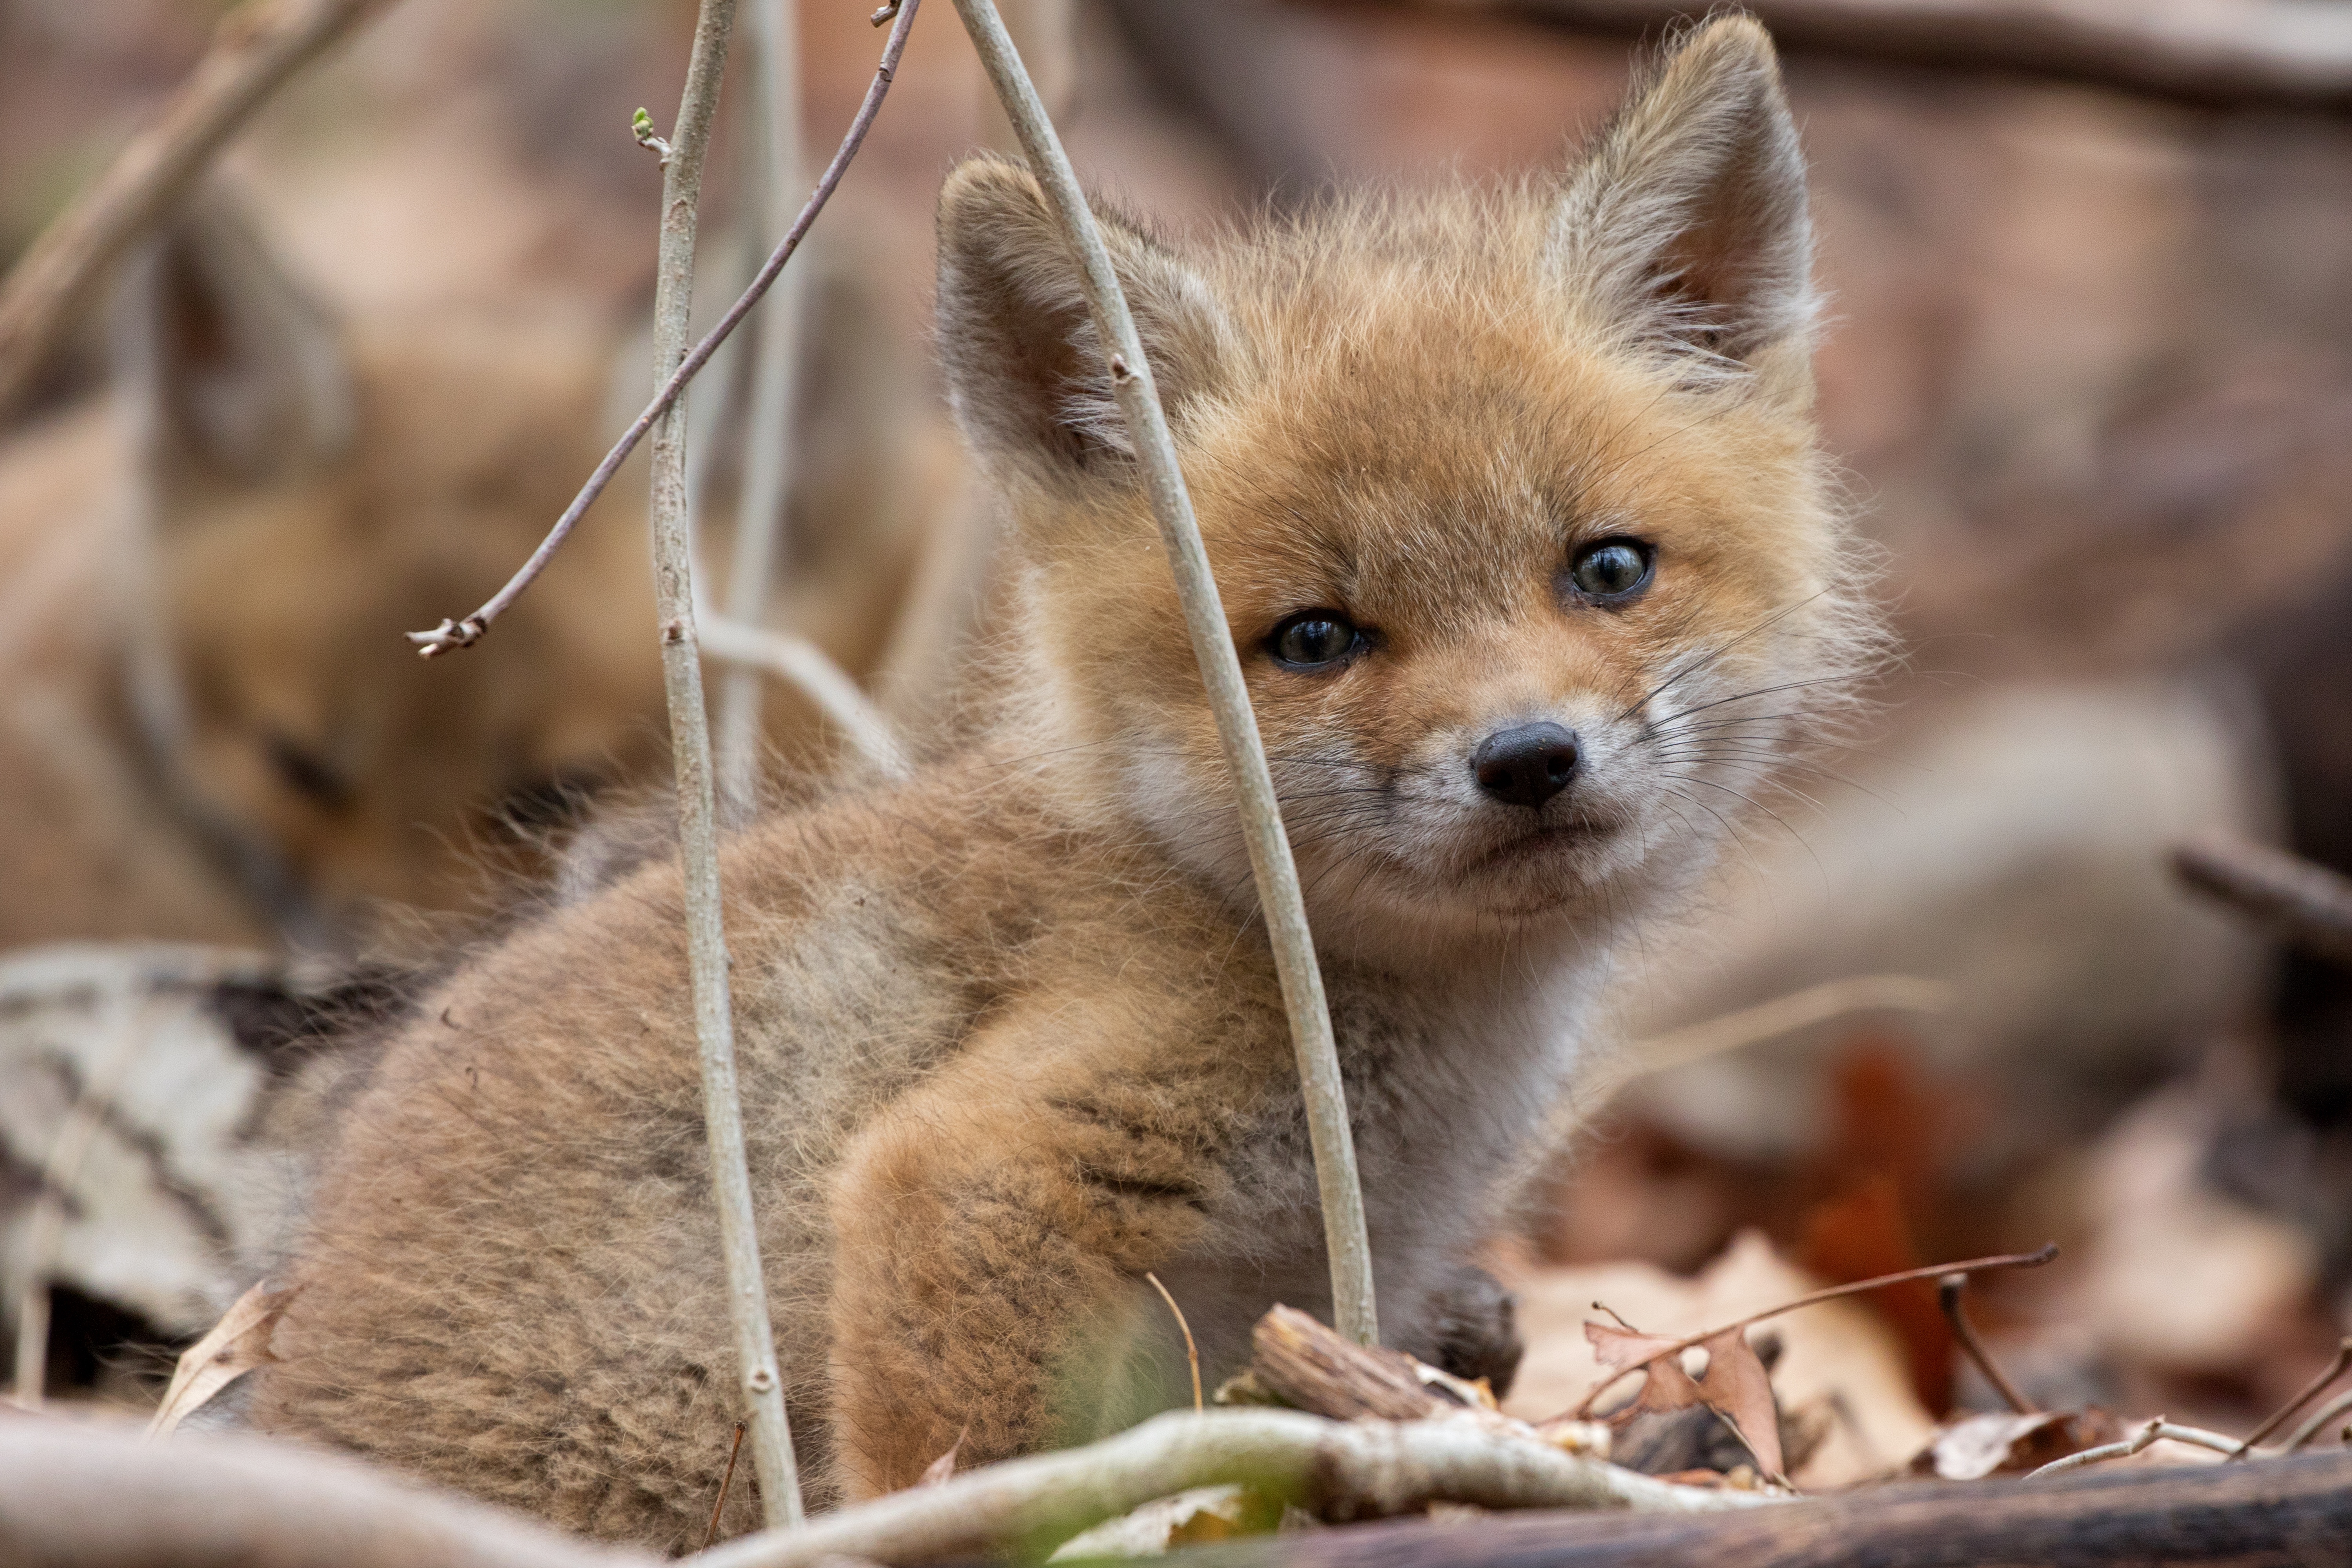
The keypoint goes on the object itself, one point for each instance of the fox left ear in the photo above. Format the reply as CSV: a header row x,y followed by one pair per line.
x,y
240,374
1025,368
1686,230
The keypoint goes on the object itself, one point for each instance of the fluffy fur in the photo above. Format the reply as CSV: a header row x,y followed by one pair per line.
x,y
1009,1035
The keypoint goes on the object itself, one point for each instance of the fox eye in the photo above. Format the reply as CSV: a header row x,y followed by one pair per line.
x,y
1612,568
308,775
1315,638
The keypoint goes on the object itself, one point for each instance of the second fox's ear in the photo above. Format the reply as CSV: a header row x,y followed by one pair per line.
x,y
240,374
1686,228
1026,369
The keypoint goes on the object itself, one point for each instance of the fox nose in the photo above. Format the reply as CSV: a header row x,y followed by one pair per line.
x,y
1527,766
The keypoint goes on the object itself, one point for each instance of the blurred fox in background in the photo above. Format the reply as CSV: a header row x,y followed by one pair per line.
x,y
211,728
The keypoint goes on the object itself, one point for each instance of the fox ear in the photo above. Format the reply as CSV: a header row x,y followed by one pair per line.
x,y
1686,228
1026,367
238,374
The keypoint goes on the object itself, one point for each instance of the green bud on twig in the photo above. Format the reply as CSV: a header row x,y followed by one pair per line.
x,y
641,126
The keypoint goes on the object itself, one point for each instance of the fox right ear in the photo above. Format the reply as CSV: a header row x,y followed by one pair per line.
x,y
1686,230
1026,367
238,374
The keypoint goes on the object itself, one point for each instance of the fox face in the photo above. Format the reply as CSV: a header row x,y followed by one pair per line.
x,y
1513,497
310,492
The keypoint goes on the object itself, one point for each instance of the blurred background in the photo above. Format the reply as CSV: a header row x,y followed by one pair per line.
x,y
2089,367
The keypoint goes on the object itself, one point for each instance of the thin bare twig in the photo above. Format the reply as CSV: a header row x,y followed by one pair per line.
x,y
1751,1025
734,1452
761,1383
255,50
1344,1233
1829,1293
2311,1391
2318,1422
1948,1292
803,665
2304,903
1191,1350
465,632
2136,1443
772,169
2157,1431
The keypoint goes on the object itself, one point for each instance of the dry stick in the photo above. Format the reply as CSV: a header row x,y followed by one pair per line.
x,y
2318,1422
2159,1430
734,1452
2306,903
1751,1025
772,168
698,827
1343,1469
1949,1291
1221,670
465,632
1829,1293
2311,1391
255,50
2105,1451
800,662
1191,1350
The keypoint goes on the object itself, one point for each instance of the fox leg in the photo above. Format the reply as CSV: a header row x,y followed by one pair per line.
x,y
991,1230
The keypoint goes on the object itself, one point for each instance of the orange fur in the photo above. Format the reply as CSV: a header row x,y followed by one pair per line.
x,y
1009,1035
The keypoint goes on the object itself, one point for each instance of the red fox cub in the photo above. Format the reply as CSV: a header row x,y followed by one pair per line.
x,y
1536,572
211,728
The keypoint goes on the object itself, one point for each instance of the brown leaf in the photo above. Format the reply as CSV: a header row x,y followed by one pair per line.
x,y
943,1469
1739,1388
1859,1234
1665,1386
1735,1386
233,1347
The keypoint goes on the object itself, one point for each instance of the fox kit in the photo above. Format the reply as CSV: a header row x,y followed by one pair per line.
x,y
1534,566
211,728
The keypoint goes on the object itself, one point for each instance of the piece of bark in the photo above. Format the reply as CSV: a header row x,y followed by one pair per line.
x,y
2281,52
2291,1513
1309,1367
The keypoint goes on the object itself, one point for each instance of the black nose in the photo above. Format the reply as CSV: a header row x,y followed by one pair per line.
x,y
1525,766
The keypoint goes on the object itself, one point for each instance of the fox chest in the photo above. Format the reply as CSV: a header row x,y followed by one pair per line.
x,y
1443,1099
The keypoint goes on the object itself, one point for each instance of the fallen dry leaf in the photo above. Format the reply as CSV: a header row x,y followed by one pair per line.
x,y
1205,1513
1836,1354
1735,1386
233,1347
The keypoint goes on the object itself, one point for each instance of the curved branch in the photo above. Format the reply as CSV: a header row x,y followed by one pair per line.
x,y
1339,1470
803,665
467,633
